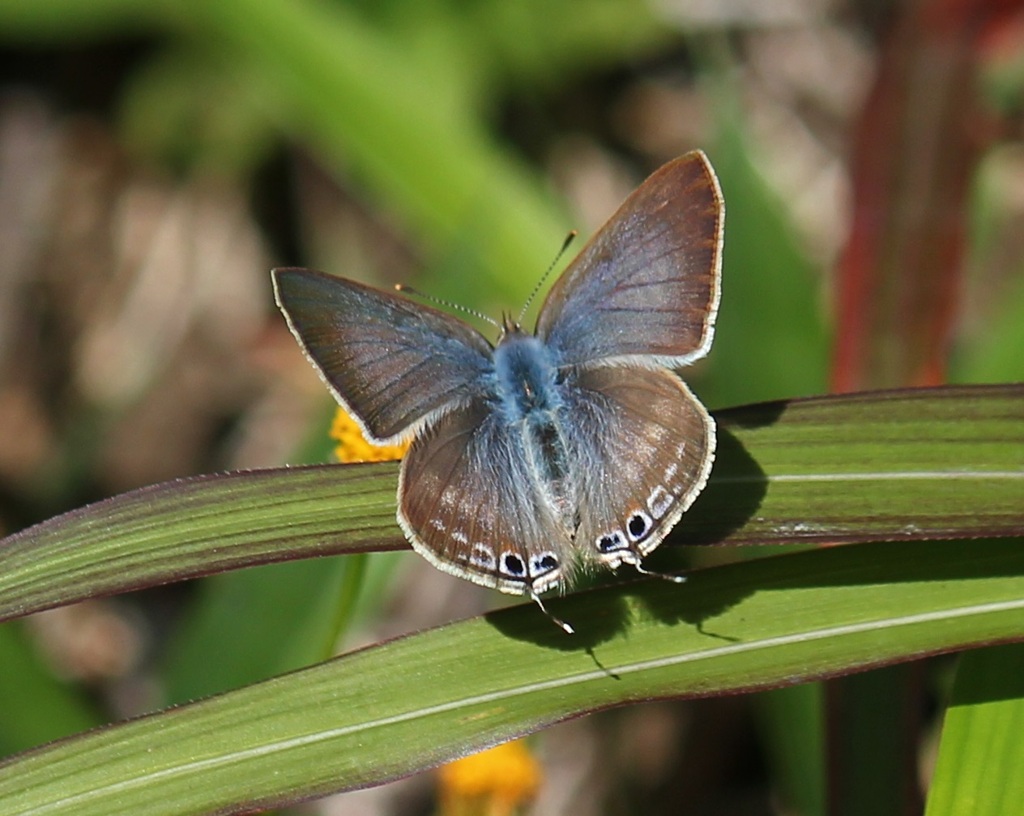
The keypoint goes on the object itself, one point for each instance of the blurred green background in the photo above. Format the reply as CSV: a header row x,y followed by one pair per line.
x,y
157,159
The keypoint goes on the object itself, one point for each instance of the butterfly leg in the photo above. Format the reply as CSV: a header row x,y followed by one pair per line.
x,y
675,579
633,558
565,627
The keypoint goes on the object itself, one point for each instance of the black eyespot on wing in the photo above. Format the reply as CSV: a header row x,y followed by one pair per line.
x,y
610,542
513,565
638,526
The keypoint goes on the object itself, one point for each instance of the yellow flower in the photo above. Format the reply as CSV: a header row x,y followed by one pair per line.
x,y
353,446
497,782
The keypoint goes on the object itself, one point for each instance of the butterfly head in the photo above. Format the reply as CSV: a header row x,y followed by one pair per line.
x,y
510,327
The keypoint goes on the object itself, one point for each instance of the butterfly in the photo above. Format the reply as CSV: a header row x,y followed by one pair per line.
x,y
547,453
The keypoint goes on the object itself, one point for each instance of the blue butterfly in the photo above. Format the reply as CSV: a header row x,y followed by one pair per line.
x,y
545,454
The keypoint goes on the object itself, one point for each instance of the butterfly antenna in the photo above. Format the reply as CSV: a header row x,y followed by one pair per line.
x,y
675,579
565,245
455,307
565,627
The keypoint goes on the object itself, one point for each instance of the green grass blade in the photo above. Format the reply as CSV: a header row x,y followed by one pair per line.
x,y
926,463
780,301
982,753
791,722
191,527
415,702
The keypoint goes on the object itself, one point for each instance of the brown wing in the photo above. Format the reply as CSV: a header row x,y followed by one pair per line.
x,y
391,362
647,284
643,446
468,504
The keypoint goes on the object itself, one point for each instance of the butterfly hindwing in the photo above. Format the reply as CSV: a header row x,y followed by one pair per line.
x,y
468,503
647,284
639,448
394,363
654,442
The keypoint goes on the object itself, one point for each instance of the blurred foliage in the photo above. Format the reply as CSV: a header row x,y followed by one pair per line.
x,y
157,158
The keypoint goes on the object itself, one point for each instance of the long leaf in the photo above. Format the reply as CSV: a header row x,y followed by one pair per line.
x,y
981,753
412,703
927,463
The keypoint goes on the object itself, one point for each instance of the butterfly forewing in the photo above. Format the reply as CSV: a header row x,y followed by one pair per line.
x,y
654,443
647,284
468,503
392,362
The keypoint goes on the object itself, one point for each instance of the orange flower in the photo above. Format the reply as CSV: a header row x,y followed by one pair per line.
x,y
498,782
353,446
